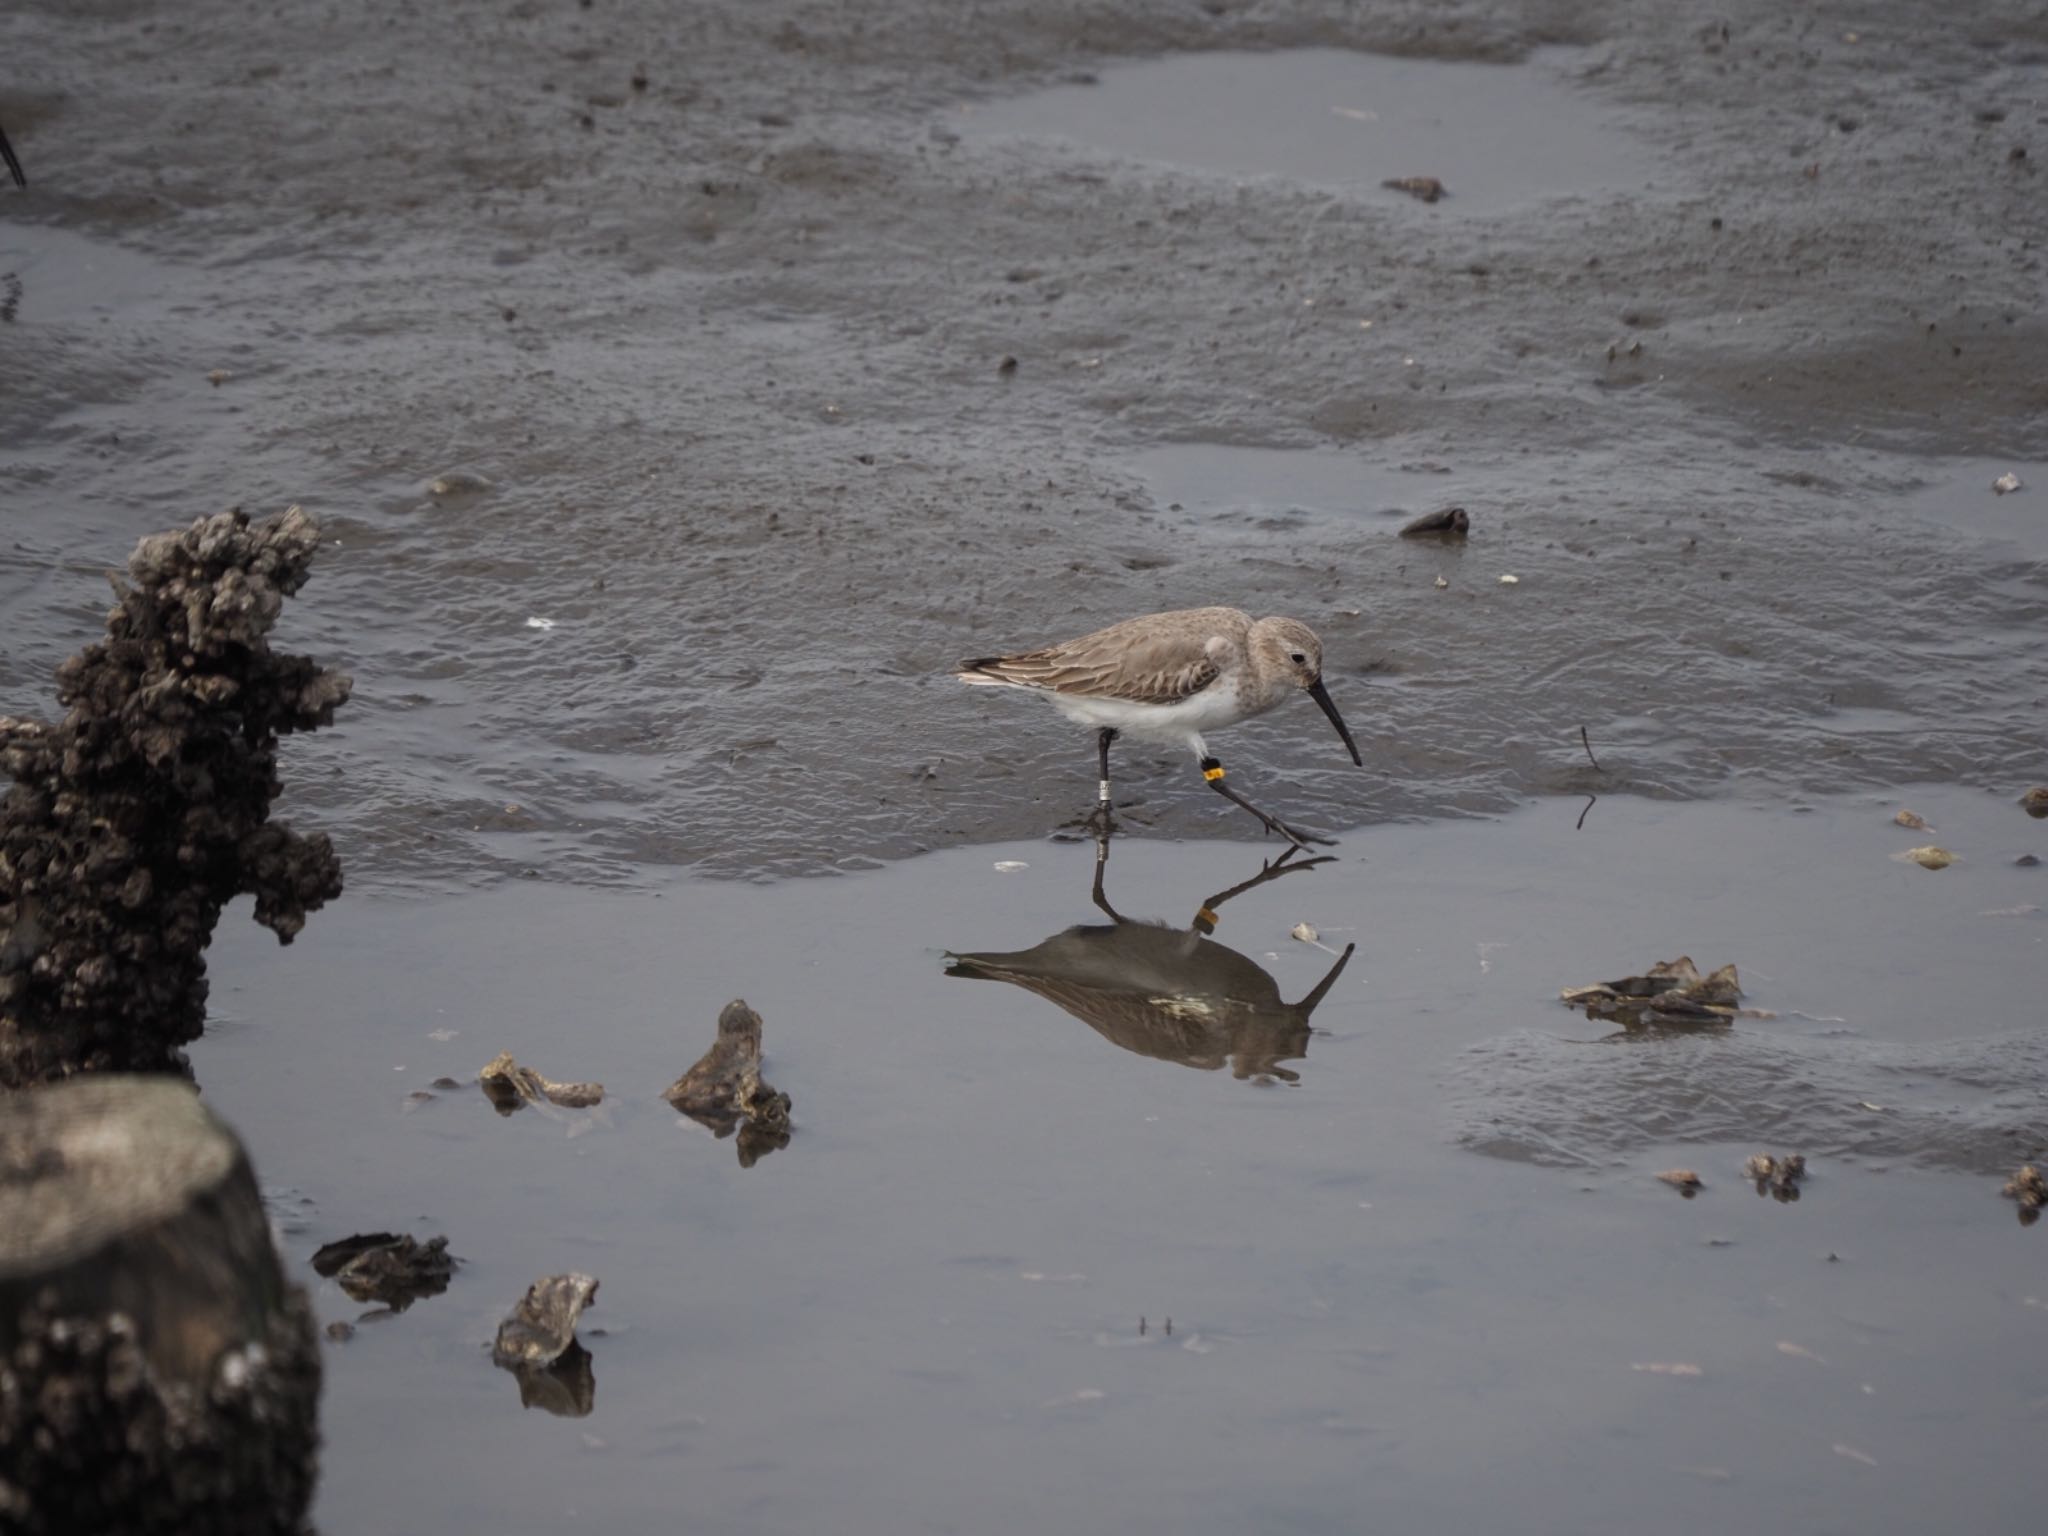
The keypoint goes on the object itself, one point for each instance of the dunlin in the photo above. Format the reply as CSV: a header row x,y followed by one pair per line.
x,y
1170,676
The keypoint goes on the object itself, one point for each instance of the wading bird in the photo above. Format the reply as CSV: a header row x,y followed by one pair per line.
x,y
1170,676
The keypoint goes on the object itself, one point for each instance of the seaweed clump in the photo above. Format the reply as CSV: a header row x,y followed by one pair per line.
x,y
132,821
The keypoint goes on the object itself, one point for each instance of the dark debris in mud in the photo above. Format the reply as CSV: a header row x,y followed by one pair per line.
x,y
1778,1177
387,1269
133,820
1671,994
537,1343
1450,523
543,1324
2029,1190
1426,189
725,1093
511,1087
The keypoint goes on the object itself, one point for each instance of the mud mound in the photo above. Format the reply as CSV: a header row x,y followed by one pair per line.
x,y
1972,1105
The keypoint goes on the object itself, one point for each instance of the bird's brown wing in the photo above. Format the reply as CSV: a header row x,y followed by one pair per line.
x,y
1143,661
1056,672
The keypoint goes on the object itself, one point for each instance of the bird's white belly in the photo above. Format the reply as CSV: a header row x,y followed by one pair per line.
x,y
1214,707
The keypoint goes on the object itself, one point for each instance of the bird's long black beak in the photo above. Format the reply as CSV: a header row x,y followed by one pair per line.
x,y
1321,695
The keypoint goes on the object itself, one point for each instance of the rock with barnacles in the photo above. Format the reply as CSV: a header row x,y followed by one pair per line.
x,y
725,1092
2035,801
159,1371
1670,994
1912,821
1777,1177
2030,1191
511,1087
1450,523
387,1269
132,821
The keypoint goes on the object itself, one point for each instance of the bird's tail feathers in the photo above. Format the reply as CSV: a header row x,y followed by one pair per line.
x,y
976,674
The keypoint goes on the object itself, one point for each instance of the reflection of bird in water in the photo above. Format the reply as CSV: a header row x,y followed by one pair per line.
x,y
1171,993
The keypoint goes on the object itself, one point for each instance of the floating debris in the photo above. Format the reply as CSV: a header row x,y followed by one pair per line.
x,y
543,1325
218,377
458,482
1777,1177
1670,993
386,1268
511,1087
537,623
2006,483
1666,1367
1912,821
1305,933
1427,188
1510,581
2030,1190
724,1091
1441,583
1853,1454
1450,523
1798,1352
1684,1180
2035,801
1928,857
1010,866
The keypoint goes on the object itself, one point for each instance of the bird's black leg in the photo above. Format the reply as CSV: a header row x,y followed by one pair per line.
x,y
1099,818
1212,771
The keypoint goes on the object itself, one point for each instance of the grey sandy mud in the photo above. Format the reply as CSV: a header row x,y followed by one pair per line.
x,y
726,352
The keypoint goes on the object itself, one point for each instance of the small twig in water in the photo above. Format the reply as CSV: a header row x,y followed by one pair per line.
x,y
1580,824
1587,742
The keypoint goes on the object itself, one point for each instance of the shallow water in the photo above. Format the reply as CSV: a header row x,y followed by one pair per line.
x,y
1495,135
934,1292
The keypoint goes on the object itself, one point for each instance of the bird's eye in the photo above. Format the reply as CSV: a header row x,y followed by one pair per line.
x,y
1298,659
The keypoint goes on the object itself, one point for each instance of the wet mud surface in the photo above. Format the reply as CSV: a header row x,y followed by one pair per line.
x,y
1429,1279
683,391
725,353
